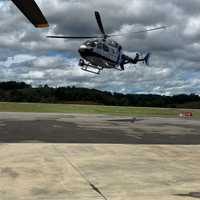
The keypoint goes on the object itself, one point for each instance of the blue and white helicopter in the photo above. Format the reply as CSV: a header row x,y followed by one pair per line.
x,y
101,52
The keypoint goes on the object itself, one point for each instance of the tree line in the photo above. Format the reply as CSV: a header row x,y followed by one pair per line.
x,y
21,92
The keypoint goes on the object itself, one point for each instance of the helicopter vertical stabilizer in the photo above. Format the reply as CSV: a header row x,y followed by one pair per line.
x,y
146,58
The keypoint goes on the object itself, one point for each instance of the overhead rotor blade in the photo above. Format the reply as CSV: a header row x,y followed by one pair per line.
x,y
74,37
143,31
99,22
31,10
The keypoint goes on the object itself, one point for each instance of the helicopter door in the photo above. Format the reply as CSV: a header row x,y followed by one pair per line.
x,y
110,53
103,50
106,51
115,54
99,49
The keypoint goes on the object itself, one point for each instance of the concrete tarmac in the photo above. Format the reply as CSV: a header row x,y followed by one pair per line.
x,y
72,156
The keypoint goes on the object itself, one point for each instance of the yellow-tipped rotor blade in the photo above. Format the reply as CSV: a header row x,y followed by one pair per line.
x,y
31,10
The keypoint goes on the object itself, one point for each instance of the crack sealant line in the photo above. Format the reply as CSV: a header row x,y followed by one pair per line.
x,y
93,187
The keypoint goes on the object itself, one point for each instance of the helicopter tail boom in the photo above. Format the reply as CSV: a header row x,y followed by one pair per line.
x,y
137,59
126,60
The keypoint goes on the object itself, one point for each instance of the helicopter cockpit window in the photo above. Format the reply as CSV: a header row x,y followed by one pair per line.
x,y
91,44
105,48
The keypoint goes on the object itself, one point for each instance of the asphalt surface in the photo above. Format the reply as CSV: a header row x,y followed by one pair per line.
x,y
97,129
87,157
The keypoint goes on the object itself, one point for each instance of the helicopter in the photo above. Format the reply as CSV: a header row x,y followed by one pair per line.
x,y
100,51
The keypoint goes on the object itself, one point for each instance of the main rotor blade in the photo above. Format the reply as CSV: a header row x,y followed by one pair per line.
x,y
73,37
99,22
144,31
31,10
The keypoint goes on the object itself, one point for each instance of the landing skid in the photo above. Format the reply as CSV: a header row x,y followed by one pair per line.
x,y
85,66
90,68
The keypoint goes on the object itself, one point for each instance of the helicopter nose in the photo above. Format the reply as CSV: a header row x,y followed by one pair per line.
x,y
84,49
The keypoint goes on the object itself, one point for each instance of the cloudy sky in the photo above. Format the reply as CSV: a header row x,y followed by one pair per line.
x,y
26,54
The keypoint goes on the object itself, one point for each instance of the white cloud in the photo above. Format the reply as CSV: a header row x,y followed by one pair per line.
x,y
48,61
192,27
33,75
17,59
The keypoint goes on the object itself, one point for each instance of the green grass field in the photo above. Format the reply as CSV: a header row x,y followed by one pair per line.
x,y
93,109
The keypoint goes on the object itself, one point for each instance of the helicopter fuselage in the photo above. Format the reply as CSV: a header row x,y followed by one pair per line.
x,y
101,53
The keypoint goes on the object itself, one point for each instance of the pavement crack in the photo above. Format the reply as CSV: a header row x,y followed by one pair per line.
x,y
97,190
78,170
